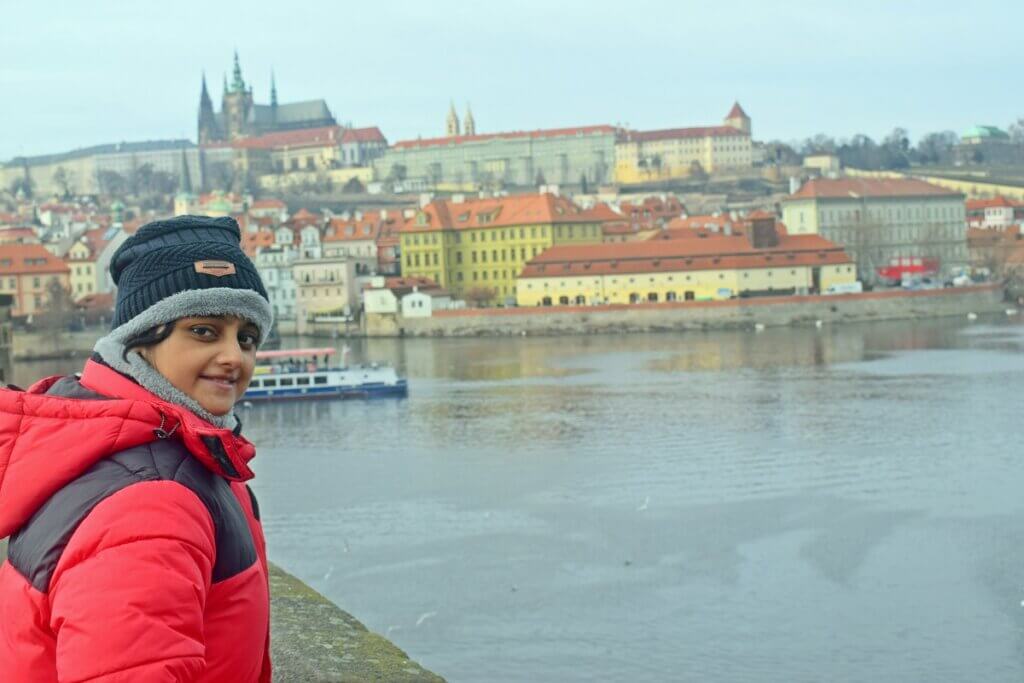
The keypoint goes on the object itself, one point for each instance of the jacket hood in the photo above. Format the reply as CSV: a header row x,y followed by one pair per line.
x,y
47,440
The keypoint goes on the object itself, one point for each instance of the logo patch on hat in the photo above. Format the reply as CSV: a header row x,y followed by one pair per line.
x,y
215,268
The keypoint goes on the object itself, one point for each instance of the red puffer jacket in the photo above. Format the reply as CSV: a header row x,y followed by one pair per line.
x,y
136,551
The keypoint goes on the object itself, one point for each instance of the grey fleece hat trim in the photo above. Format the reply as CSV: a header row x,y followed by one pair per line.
x,y
135,366
244,303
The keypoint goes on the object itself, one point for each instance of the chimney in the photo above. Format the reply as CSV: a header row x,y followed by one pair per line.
x,y
762,233
794,184
426,198
383,214
458,198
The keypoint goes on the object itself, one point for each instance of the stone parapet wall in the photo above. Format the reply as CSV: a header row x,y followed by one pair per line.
x,y
706,315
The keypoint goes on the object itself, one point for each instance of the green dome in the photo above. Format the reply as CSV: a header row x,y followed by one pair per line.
x,y
985,132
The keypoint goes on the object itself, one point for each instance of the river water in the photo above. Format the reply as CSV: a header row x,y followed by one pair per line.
x,y
840,504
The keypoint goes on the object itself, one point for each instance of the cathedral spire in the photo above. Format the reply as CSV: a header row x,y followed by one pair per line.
x,y
204,96
452,124
469,123
237,84
273,90
184,176
207,119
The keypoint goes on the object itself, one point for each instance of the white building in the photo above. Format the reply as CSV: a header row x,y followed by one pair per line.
x,y
275,268
882,220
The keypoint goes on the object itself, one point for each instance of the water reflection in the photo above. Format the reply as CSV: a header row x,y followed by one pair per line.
x,y
787,503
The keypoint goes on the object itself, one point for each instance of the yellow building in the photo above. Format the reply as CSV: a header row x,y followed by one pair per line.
x,y
686,265
645,156
82,266
476,248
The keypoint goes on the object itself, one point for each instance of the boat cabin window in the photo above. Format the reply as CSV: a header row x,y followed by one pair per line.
x,y
301,381
256,383
320,379
287,381
270,382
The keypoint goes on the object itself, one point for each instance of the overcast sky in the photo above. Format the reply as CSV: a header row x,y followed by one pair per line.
x,y
74,74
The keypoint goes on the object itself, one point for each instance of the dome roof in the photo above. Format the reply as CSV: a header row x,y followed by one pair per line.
x,y
990,132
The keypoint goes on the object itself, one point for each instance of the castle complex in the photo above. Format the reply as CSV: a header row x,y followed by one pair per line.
x,y
241,117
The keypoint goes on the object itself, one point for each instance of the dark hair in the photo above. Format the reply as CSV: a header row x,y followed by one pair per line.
x,y
147,338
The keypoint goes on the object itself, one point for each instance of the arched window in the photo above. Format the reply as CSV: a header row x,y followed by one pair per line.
x,y
652,296
580,300
546,301
634,297
563,300
689,296
670,296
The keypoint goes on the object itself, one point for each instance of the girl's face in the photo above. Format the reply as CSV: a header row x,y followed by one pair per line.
x,y
210,359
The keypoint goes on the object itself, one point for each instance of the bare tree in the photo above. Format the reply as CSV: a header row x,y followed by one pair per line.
x,y
479,296
1017,131
62,178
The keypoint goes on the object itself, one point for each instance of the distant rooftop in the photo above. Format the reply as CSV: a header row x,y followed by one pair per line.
x,y
854,188
112,148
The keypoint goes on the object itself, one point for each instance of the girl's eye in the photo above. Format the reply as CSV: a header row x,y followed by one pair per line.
x,y
203,331
247,339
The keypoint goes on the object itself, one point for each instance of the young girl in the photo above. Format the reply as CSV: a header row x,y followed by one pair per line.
x,y
136,551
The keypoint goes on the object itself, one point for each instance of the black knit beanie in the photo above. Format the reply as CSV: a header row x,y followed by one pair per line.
x,y
183,253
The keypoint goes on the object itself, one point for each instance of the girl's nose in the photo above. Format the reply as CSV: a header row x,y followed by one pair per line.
x,y
230,353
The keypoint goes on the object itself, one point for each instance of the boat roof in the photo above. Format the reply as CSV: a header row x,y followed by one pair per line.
x,y
296,353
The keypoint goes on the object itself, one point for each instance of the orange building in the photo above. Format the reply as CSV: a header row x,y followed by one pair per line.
x,y
27,273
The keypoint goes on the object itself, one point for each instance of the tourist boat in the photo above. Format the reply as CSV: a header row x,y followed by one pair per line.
x,y
298,373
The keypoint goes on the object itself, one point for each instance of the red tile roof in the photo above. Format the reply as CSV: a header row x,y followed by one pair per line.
x,y
534,134
847,188
349,230
679,133
100,301
995,202
498,212
18,259
669,207
711,252
18,235
371,134
736,111
251,241
268,204
305,137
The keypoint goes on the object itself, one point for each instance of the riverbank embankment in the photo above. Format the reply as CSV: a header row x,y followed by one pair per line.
x,y
706,315
314,641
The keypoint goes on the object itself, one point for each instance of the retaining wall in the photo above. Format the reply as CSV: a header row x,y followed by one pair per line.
x,y
704,315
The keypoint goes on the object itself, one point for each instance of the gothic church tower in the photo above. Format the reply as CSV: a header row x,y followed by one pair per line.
x,y
452,124
236,105
469,124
